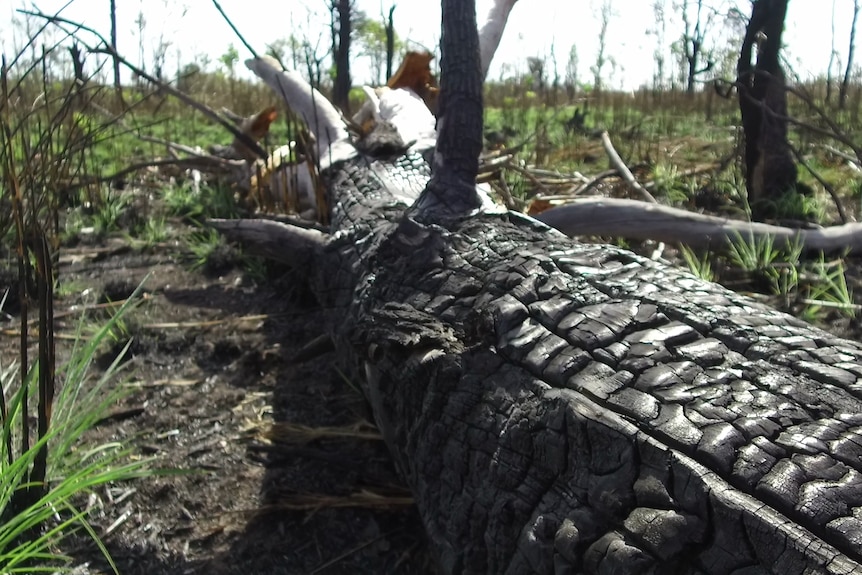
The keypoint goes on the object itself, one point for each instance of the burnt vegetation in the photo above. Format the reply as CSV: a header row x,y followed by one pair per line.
x,y
225,365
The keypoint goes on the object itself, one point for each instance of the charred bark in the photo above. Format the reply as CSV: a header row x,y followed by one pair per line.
x,y
341,87
452,188
390,41
848,69
566,408
558,407
770,171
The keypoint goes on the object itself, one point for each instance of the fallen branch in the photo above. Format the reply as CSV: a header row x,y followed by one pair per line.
x,y
624,171
292,245
641,221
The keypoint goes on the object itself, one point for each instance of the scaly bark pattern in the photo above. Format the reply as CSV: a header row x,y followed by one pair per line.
x,y
567,408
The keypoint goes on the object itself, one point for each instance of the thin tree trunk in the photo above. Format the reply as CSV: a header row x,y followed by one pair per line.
x,y
390,42
692,67
341,89
845,84
117,84
829,78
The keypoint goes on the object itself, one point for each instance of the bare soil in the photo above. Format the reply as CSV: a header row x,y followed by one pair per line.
x,y
271,464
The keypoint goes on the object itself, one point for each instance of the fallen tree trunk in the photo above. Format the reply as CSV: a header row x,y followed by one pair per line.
x,y
638,220
557,407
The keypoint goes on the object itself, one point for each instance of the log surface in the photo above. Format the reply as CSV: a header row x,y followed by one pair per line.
x,y
559,407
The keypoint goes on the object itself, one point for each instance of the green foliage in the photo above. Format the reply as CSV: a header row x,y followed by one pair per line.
x,y
753,254
829,290
75,467
669,184
370,37
209,201
700,266
108,212
210,252
229,59
800,205
150,232
255,269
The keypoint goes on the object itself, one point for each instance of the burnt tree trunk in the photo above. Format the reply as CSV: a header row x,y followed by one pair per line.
x,y
770,171
390,41
341,88
558,407
848,71
693,45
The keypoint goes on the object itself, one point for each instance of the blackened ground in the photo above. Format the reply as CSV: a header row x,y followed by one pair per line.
x,y
218,397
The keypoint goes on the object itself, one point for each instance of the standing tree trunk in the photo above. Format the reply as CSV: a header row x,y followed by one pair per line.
x,y
117,85
832,54
390,42
845,84
770,171
341,88
691,45
693,41
601,57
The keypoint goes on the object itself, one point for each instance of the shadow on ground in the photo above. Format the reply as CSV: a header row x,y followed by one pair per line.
x,y
219,396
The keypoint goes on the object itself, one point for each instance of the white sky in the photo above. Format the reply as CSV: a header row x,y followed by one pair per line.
x,y
194,28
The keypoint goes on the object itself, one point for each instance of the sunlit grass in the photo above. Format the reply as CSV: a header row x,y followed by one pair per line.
x,y
31,538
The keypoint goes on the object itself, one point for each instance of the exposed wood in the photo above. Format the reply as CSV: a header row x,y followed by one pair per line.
x,y
623,170
645,221
323,119
492,31
292,245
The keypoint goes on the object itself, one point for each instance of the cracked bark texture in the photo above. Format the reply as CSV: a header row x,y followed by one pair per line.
x,y
566,408
559,407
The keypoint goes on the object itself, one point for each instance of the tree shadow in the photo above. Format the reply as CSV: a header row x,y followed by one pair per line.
x,y
264,495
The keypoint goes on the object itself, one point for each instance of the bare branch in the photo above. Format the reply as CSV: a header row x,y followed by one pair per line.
x,y
624,170
643,221
107,49
235,31
295,246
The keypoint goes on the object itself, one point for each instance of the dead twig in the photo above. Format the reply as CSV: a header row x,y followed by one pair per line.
x,y
349,552
211,323
842,215
591,183
623,170
298,433
186,99
235,31
852,161
834,130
